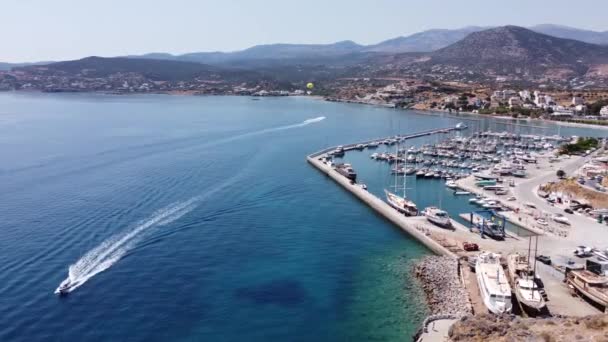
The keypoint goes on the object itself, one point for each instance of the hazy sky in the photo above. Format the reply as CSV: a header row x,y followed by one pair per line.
x,y
34,30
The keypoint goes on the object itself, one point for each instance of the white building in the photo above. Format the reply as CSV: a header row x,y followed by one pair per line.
x,y
604,111
525,95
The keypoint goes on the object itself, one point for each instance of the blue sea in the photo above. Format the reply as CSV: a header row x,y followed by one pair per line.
x,y
188,218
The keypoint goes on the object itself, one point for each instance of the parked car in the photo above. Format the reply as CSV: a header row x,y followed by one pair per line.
x,y
544,259
568,211
470,246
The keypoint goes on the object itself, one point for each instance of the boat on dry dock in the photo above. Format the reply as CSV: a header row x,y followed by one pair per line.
x,y
438,217
590,285
526,284
493,285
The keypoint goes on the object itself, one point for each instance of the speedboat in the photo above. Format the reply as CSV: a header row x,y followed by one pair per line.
x,y
66,287
461,126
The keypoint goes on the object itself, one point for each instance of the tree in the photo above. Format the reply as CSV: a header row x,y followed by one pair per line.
x,y
560,174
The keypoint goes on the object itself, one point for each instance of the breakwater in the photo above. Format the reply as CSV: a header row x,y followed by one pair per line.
x,y
380,206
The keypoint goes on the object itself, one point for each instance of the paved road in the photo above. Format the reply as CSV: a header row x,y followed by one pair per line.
x,y
583,230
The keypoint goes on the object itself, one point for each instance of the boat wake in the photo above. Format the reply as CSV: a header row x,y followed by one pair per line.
x,y
273,129
114,248
117,246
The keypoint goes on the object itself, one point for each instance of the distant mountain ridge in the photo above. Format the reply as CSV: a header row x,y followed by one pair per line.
x,y
425,41
513,49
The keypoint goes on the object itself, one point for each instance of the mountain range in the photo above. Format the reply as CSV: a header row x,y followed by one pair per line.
x,y
425,41
487,51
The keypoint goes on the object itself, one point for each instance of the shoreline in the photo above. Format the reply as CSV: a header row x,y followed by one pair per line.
x,y
456,115
433,112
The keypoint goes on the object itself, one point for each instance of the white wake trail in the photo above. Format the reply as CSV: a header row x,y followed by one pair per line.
x,y
114,248
270,130
117,246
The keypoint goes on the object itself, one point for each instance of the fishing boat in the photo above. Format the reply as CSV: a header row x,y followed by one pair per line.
x,y
493,285
592,286
438,217
526,284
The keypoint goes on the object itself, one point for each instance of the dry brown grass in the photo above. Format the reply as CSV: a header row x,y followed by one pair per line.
x,y
575,190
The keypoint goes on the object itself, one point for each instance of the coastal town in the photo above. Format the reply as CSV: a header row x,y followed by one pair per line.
x,y
534,243
588,106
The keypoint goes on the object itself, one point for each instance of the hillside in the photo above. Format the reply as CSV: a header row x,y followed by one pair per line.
x,y
512,49
425,41
153,69
560,31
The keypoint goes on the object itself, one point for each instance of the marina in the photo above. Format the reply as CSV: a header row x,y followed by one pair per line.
x,y
486,170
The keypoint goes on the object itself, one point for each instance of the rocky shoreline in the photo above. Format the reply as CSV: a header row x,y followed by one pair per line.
x,y
440,280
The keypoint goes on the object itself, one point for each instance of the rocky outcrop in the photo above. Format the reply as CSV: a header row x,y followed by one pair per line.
x,y
441,283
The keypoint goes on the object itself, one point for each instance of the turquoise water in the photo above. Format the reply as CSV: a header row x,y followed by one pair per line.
x,y
197,218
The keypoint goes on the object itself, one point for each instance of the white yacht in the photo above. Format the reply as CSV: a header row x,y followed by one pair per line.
x,y
438,217
493,284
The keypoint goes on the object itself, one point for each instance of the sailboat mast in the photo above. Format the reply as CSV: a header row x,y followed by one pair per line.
x,y
397,165
404,168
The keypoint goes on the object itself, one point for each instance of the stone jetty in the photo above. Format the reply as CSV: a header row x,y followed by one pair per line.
x,y
442,285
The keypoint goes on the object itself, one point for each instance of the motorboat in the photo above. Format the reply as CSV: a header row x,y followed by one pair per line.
x,y
451,184
461,126
420,173
493,284
410,171
347,171
438,217
462,193
66,287
491,205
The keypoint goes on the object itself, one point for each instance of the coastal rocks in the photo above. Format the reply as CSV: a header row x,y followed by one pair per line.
x,y
441,283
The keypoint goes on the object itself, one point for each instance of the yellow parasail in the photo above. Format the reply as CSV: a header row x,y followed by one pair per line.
x,y
310,85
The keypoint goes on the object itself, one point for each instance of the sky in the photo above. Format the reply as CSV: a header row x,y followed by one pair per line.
x,y
45,30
